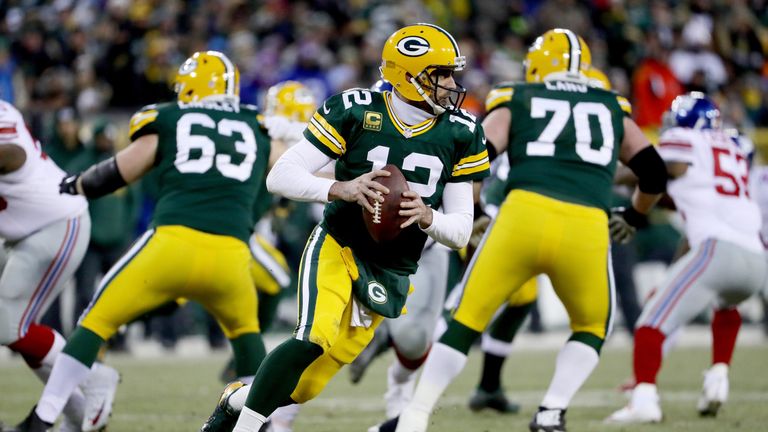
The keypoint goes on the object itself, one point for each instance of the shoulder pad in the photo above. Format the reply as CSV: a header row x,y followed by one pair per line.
x,y
500,94
624,104
143,117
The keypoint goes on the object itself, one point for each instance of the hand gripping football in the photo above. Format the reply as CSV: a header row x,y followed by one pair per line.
x,y
384,223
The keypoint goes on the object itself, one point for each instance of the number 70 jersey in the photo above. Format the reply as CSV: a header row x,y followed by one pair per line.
x,y
211,158
712,196
564,139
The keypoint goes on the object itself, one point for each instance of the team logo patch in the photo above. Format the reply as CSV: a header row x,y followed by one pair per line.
x,y
377,292
413,46
187,67
372,121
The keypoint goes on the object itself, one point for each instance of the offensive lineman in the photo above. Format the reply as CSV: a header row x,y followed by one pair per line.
x,y
563,139
212,154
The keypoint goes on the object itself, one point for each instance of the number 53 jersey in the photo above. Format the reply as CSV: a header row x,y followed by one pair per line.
x,y
211,158
712,196
360,129
564,139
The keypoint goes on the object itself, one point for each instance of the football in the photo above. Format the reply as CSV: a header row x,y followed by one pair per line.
x,y
384,223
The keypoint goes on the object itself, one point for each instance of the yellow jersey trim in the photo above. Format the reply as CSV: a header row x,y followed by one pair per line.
x,y
141,119
497,97
327,134
405,130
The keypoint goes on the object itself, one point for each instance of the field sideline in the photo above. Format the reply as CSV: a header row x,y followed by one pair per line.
x,y
176,393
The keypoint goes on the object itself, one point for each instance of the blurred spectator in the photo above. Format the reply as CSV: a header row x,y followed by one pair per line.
x,y
64,144
654,86
693,62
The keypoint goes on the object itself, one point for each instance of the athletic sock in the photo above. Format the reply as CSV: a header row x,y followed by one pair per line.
x,y
442,366
66,375
647,354
249,352
279,374
249,421
725,330
574,364
490,381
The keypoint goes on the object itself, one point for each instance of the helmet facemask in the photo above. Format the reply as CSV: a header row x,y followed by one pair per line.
x,y
427,84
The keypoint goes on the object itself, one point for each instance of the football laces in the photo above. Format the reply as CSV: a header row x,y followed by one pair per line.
x,y
377,209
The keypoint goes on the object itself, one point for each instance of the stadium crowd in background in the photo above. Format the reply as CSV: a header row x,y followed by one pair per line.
x,y
71,65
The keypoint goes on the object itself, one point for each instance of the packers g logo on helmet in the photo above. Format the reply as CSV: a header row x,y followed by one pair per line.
x,y
413,46
410,58
205,75
557,54
292,100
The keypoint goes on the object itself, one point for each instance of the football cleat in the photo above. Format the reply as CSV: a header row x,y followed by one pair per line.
x,y
99,389
548,420
69,425
643,407
378,345
388,426
715,390
32,423
223,418
497,401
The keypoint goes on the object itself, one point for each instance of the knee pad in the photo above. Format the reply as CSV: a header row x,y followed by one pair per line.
x,y
411,343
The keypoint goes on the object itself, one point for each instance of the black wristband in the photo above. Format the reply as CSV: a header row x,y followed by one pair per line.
x,y
650,169
635,218
492,152
101,179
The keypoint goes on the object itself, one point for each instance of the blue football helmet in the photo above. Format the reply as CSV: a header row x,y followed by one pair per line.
x,y
381,86
693,110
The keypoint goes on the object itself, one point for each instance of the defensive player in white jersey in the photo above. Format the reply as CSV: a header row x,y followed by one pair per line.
x,y
46,235
725,265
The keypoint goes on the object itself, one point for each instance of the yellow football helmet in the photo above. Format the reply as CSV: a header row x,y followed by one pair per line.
x,y
292,100
412,54
597,78
558,53
207,74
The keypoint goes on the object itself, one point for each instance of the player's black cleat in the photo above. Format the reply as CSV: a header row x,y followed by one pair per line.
x,y
548,420
496,401
223,418
388,426
32,423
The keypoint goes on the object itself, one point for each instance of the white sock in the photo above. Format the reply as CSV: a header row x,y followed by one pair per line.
x,y
575,363
249,421
495,347
75,406
237,399
442,366
399,373
66,375
284,417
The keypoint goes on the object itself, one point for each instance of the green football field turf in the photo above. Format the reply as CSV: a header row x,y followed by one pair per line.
x,y
176,394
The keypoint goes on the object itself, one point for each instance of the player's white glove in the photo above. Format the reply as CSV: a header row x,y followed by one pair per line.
x,y
624,222
287,131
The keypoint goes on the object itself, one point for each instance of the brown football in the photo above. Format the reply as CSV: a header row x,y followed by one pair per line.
x,y
384,224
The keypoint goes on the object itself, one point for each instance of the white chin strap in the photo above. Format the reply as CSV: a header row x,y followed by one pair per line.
x,y
437,109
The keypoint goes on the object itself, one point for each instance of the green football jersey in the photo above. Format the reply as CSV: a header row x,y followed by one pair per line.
x,y
359,128
211,160
564,139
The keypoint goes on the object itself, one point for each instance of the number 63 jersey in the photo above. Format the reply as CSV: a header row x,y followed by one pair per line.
x,y
361,131
211,158
712,196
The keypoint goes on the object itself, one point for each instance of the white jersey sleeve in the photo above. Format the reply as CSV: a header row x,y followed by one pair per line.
x,y
758,189
29,196
713,195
